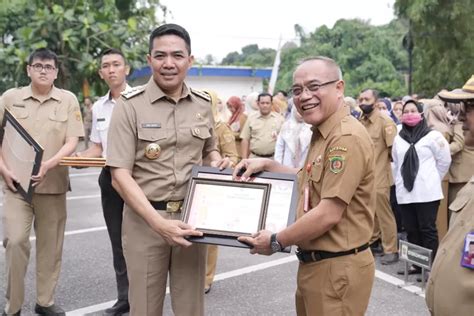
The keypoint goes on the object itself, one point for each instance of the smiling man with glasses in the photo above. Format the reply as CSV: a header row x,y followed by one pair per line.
x,y
53,118
335,213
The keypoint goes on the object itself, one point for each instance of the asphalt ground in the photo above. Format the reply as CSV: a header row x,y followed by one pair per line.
x,y
245,284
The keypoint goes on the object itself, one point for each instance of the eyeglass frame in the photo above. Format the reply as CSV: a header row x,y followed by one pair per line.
x,y
317,85
47,68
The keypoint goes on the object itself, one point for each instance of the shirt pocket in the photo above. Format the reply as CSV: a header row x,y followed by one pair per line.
x,y
58,119
200,134
147,136
460,202
20,113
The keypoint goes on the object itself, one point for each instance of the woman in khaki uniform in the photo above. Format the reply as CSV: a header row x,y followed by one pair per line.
x,y
450,288
227,148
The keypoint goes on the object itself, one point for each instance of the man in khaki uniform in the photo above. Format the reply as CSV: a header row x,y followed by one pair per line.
x,y
382,131
261,129
335,210
157,133
53,118
450,289
227,148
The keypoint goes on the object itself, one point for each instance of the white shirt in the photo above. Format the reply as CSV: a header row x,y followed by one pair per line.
x,y
434,160
101,114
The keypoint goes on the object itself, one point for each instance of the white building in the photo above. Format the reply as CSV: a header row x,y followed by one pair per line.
x,y
226,81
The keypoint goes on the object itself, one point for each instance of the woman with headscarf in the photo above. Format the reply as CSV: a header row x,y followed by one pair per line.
x,y
421,159
226,147
385,106
237,119
293,141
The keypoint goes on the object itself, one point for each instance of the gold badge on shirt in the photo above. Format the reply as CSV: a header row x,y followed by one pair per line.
x,y
152,151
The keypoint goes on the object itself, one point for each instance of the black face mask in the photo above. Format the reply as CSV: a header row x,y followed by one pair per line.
x,y
366,108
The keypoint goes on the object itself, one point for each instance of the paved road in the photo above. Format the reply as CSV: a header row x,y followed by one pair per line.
x,y
245,284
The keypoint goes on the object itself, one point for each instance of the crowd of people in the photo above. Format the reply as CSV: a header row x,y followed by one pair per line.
x,y
370,170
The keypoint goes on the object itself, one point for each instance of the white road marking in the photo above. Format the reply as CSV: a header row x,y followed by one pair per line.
x,y
238,272
78,197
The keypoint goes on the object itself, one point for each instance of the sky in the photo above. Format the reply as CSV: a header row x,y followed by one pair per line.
x,y
218,27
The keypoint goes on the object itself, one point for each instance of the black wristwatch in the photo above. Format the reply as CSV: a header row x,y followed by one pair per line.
x,y
274,244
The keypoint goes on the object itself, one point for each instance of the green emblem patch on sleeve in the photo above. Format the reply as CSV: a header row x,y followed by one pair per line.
x,y
336,164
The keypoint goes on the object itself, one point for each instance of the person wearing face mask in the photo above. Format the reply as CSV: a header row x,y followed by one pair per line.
x,y
385,106
421,159
382,131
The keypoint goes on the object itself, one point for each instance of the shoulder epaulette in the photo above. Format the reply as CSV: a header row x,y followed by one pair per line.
x,y
346,126
201,94
133,92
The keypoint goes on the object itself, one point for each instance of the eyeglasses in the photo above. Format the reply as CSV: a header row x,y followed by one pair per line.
x,y
41,67
312,87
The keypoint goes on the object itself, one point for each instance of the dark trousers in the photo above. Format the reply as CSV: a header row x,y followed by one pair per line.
x,y
112,206
419,220
396,209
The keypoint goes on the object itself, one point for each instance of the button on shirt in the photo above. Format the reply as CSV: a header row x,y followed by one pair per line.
x,y
101,115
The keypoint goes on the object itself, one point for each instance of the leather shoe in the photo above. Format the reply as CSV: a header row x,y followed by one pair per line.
x,y
411,270
389,258
53,310
207,289
120,307
16,314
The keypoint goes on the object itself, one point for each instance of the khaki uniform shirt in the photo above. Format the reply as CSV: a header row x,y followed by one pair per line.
x,y
382,130
462,165
341,164
262,132
183,130
450,288
226,142
49,123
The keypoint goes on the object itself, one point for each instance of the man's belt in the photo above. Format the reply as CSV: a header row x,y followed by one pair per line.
x,y
264,156
168,206
318,255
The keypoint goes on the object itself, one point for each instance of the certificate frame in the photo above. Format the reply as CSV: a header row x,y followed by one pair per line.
x,y
11,125
279,215
193,208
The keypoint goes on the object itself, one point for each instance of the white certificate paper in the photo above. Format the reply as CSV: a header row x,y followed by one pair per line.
x,y
226,208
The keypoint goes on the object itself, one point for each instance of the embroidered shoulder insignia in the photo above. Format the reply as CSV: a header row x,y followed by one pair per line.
x,y
133,92
201,94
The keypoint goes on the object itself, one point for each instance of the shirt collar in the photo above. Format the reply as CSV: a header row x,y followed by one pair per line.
x,y
109,95
326,127
54,93
155,92
372,116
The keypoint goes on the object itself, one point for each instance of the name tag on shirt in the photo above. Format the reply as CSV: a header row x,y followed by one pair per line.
x,y
101,119
467,258
151,125
18,105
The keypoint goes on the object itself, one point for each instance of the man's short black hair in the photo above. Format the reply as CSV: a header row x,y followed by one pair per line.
x,y
170,29
43,54
112,51
264,94
375,93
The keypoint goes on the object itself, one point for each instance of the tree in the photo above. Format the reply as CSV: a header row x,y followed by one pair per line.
x,y
252,56
443,53
369,56
77,30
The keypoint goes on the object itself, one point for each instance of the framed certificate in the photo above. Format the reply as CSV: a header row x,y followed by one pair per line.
x,y
225,210
21,154
282,203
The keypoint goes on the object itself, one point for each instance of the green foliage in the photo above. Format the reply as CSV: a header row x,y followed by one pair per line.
x,y
369,56
443,43
251,56
77,30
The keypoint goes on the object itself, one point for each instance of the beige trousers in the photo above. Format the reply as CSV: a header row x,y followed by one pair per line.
x,y
149,262
336,286
47,213
385,226
212,252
